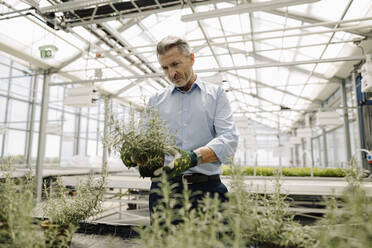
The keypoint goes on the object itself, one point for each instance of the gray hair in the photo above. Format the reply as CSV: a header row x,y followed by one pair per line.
x,y
173,41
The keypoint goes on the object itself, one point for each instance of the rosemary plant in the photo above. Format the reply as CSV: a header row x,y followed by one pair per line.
x,y
246,220
144,143
262,220
348,223
17,227
65,212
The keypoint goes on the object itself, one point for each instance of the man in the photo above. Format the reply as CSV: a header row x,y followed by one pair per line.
x,y
200,116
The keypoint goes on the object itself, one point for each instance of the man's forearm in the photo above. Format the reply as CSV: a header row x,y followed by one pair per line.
x,y
208,155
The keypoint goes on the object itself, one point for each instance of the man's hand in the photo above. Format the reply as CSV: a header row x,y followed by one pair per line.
x,y
182,161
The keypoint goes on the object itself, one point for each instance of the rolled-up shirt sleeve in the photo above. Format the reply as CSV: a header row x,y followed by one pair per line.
x,y
225,143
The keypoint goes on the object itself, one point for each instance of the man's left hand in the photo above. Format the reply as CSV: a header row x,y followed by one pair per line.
x,y
182,161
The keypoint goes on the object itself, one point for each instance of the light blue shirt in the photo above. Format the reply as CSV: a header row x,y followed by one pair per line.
x,y
200,117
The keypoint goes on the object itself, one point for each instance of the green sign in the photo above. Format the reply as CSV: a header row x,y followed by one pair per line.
x,y
46,53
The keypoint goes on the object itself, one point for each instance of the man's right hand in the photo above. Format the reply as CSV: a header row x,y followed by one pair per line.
x,y
182,161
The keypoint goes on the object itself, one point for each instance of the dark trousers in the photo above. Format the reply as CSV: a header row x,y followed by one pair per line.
x,y
198,192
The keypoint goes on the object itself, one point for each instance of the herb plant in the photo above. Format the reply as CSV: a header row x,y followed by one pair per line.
x,y
145,142
348,223
17,228
65,212
246,220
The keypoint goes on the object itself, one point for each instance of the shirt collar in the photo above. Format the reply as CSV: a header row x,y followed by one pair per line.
x,y
196,84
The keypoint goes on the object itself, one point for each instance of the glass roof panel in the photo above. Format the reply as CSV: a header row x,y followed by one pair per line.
x,y
34,36
358,8
113,86
321,9
230,38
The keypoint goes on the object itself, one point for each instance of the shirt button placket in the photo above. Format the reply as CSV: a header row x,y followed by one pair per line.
x,y
182,120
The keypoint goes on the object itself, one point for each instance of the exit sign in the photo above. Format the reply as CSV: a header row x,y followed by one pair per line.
x,y
47,51
46,54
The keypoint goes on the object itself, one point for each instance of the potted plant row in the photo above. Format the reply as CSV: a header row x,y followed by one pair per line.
x,y
63,212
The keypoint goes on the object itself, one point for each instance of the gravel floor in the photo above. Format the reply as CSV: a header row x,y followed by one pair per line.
x,y
102,241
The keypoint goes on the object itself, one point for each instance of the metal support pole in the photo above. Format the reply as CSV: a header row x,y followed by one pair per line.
x,y
346,121
32,120
319,151
296,153
29,106
303,153
309,145
7,109
42,136
312,156
325,151
291,163
105,129
98,131
279,147
77,132
255,162
245,151
359,109
62,132
87,134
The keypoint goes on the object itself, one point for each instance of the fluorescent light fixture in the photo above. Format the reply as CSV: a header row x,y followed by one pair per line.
x,y
305,132
295,140
80,101
81,96
244,8
328,118
81,91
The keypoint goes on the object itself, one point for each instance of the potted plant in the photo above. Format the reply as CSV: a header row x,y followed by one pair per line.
x,y
348,221
17,226
246,220
145,142
64,212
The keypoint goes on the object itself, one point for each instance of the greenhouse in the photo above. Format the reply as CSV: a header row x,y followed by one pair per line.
x,y
185,123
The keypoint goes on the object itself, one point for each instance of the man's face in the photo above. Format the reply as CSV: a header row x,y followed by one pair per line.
x,y
177,67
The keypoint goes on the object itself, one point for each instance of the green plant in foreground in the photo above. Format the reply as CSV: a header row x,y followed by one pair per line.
x,y
65,212
17,227
349,225
246,220
254,220
263,220
145,142
197,228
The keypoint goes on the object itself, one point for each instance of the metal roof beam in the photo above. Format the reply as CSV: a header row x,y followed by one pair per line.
x,y
224,69
260,110
96,45
310,19
127,87
271,87
264,58
295,68
105,92
119,39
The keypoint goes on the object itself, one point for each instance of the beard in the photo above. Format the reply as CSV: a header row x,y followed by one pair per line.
x,y
180,83
181,80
